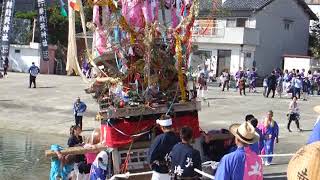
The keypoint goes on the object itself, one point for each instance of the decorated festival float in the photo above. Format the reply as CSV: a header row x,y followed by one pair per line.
x,y
140,56
142,50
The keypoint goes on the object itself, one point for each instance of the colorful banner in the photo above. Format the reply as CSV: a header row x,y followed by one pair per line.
x,y
42,14
6,28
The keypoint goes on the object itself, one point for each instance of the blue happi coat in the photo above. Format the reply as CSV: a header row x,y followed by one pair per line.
x,y
184,159
79,108
257,147
159,151
241,164
315,134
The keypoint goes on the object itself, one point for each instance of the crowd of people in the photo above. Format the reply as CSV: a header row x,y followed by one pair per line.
x,y
172,157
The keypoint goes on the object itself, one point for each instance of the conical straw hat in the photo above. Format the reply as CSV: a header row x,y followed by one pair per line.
x,y
317,109
305,164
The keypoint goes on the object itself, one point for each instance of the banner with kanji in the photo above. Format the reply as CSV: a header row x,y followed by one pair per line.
x,y
6,27
42,14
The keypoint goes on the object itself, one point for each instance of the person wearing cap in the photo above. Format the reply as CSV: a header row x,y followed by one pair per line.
x,y
315,134
242,164
270,133
184,158
256,147
79,108
99,167
160,148
33,71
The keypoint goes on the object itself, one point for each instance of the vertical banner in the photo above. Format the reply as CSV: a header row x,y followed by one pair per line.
x,y
6,28
42,14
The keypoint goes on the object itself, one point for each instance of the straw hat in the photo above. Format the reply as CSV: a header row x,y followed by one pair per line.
x,y
305,164
317,109
245,132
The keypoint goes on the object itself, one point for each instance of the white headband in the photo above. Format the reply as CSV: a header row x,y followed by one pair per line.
x,y
165,122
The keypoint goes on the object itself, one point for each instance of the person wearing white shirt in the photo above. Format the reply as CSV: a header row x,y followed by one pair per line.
x,y
293,114
297,86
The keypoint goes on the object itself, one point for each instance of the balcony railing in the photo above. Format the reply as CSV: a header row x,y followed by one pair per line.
x,y
229,35
208,31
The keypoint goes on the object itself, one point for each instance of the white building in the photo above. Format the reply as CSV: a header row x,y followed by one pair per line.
x,y
251,33
22,56
314,6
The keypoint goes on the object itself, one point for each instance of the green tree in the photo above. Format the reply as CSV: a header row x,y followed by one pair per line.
x,y
57,24
314,40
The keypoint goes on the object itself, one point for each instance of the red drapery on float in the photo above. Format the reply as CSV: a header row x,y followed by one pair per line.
x,y
120,133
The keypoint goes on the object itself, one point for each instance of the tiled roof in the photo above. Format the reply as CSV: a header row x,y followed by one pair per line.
x,y
245,4
233,7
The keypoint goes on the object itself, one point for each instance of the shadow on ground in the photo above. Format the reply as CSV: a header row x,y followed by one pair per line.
x,y
275,176
47,87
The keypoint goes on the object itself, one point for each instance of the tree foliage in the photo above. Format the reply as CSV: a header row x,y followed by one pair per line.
x,y
57,24
314,40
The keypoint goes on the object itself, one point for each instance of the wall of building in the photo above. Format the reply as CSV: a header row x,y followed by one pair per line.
x,y
238,58
275,41
22,56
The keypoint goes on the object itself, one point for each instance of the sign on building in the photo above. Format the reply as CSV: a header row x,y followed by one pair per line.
x,y
42,18
6,28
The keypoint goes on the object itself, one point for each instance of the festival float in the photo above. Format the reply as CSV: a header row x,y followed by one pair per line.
x,y
140,56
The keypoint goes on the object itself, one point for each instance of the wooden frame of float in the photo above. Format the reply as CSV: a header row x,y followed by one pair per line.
x,y
145,110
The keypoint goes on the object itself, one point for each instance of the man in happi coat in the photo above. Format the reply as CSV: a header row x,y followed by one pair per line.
x,y
158,154
184,158
242,164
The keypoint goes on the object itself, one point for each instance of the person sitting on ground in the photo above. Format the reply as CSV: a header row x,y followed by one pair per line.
x,y
184,158
160,149
61,166
242,164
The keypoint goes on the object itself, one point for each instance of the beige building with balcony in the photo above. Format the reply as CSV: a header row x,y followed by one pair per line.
x,y
250,33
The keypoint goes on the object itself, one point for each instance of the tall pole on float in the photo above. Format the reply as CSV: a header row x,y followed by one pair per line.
x,y
1,24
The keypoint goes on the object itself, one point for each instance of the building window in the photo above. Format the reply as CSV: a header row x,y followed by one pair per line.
x,y
287,24
17,51
248,55
237,22
241,22
231,22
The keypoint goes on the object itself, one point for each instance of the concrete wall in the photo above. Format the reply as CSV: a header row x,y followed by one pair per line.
x,y
22,56
275,41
